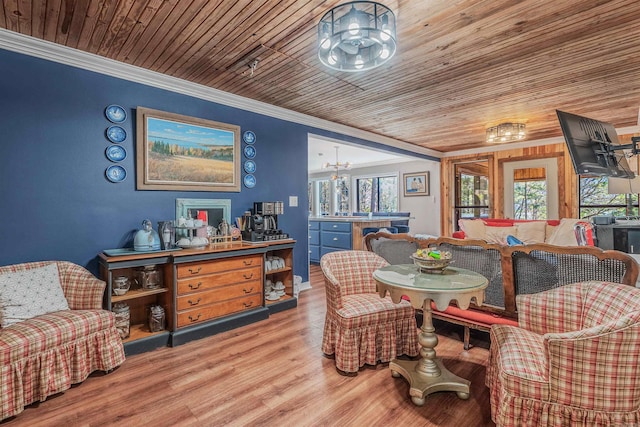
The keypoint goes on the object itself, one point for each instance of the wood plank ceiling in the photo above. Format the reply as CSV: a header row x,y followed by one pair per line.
x,y
461,66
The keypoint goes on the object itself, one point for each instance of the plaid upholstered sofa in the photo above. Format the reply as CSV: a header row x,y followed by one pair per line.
x,y
511,271
573,360
46,354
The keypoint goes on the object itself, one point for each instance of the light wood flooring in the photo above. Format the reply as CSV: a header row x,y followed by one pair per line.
x,y
270,373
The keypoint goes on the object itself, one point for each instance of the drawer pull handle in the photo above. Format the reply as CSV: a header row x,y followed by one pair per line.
x,y
248,262
196,271
245,276
247,291
335,226
247,305
196,286
196,319
335,238
191,303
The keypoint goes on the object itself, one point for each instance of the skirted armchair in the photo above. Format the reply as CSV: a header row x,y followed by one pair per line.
x,y
46,354
573,360
360,327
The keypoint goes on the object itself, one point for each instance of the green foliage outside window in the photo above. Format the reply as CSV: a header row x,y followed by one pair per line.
x,y
377,194
324,192
596,200
342,191
530,199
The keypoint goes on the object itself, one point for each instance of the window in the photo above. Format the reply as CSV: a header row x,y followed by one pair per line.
x,y
531,188
377,194
472,190
324,197
530,193
342,195
596,200
328,197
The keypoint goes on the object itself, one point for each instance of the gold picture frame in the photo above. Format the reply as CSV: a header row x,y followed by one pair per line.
x,y
182,153
416,184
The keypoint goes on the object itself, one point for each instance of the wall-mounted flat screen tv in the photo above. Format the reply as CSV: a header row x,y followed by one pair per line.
x,y
593,146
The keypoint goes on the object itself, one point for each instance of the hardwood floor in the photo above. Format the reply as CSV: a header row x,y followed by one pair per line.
x,y
270,373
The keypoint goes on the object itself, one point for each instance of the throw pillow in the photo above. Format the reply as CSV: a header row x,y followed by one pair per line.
x,y
564,234
548,231
499,234
473,228
513,241
531,232
29,293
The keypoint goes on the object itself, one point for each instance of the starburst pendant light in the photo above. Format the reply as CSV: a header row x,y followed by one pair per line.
x,y
357,36
337,166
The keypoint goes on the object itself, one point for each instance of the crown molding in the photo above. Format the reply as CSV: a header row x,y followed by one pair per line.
x,y
47,50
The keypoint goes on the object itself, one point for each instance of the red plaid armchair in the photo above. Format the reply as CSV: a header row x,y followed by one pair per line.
x,y
45,355
573,361
360,327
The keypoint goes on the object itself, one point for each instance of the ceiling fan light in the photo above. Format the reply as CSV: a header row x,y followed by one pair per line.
x,y
359,63
384,34
384,53
354,28
357,36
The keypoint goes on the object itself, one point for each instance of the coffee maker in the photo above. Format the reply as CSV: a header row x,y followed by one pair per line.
x,y
270,212
253,228
263,222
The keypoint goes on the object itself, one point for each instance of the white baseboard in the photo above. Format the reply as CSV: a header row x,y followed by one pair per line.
x,y
305,286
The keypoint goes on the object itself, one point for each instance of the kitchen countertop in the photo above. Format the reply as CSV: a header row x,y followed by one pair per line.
x,y
350,218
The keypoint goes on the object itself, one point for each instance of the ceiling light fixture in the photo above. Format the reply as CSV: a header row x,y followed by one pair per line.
x,y
506,132
357,36
337,166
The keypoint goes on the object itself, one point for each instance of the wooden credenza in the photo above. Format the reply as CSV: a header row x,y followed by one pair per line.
x,y
203,292
211,289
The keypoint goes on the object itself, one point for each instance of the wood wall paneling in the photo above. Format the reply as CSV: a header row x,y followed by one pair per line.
x,y
567,181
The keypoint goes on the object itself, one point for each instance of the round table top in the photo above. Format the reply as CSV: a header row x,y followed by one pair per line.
x,y
452,284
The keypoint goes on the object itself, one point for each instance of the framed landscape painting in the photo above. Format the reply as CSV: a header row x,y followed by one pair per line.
x,y
416,184
182,153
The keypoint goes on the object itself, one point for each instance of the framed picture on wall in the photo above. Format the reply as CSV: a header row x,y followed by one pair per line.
x,y
416,184
182,153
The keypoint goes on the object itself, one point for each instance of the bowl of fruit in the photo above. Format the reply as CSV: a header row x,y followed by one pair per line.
x,y
431,260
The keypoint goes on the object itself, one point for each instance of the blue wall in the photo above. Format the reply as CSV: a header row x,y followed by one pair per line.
x,y
55,202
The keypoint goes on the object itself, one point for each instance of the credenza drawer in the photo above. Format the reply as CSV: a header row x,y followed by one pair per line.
x,y
212,311
208,281
219,294
198,268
